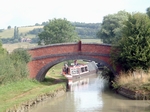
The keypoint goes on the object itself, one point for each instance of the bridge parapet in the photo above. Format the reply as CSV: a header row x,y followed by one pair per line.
x,y
70,48
96,48
54,49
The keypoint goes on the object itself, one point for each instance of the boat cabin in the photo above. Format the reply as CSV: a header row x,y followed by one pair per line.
x,y
77,70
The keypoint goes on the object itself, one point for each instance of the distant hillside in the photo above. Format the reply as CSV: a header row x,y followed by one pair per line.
x,y
87,30
8,33
84,30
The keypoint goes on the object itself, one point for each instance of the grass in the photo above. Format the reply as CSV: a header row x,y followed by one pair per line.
x,y
7,33
137,81
27,29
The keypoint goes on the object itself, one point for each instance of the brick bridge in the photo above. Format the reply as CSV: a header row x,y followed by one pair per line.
x,y
45,57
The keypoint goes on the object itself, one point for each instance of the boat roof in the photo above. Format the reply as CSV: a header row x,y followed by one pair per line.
x,y
77,66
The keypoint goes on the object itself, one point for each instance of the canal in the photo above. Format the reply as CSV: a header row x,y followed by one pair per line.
x,y
91,94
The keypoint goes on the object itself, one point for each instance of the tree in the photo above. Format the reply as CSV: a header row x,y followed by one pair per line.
x,y
44,23
111,27
133,50
37,24
16,33
9,27
20,54
58,31
148,11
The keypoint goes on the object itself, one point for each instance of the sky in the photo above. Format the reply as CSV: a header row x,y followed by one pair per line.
x,y
28,12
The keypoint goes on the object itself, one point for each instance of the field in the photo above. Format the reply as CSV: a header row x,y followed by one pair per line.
x,y
91,41
11,47
8,33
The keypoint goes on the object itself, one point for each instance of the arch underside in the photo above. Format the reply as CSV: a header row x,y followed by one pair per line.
x,y
41,74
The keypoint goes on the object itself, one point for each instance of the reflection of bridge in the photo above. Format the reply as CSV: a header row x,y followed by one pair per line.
x,y
45,57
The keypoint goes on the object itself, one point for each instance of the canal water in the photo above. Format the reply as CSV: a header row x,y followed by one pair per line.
x,y
91,94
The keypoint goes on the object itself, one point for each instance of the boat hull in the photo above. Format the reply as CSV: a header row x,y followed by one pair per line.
x,y
78,77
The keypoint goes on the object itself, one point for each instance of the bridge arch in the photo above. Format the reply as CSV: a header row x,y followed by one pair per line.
x,y
41,74
43,58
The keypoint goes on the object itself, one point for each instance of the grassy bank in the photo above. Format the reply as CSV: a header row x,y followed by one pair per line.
x,y
137,81
16,93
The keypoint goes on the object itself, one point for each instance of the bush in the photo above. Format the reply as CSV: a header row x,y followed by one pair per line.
x,y
20,54
14,66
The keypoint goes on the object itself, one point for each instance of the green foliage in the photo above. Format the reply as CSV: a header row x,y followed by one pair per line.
x,y
35,31
86,30
112,26
2,50
137,25
16,33
115,85
107,74
11,71
20,54
133,50
14,66
58,31
148,11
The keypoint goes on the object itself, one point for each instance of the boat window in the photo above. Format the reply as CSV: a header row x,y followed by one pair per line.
x,y
86,69
82,69
74,71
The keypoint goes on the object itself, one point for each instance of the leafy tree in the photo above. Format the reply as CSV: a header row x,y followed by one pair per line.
x,y
35,31
37,24
14,66
58,31
44,23
20,54
9,27
16,34
111,27
148,11
86,30
133,50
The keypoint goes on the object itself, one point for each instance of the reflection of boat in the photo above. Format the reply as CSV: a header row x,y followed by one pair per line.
x,y
82,83
77,71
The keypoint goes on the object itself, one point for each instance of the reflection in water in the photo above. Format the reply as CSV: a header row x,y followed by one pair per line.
x,y
90,94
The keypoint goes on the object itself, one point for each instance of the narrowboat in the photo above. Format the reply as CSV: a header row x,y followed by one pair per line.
x,y
76,71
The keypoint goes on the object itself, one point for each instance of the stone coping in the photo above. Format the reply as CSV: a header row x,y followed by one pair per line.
x,y
135,95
